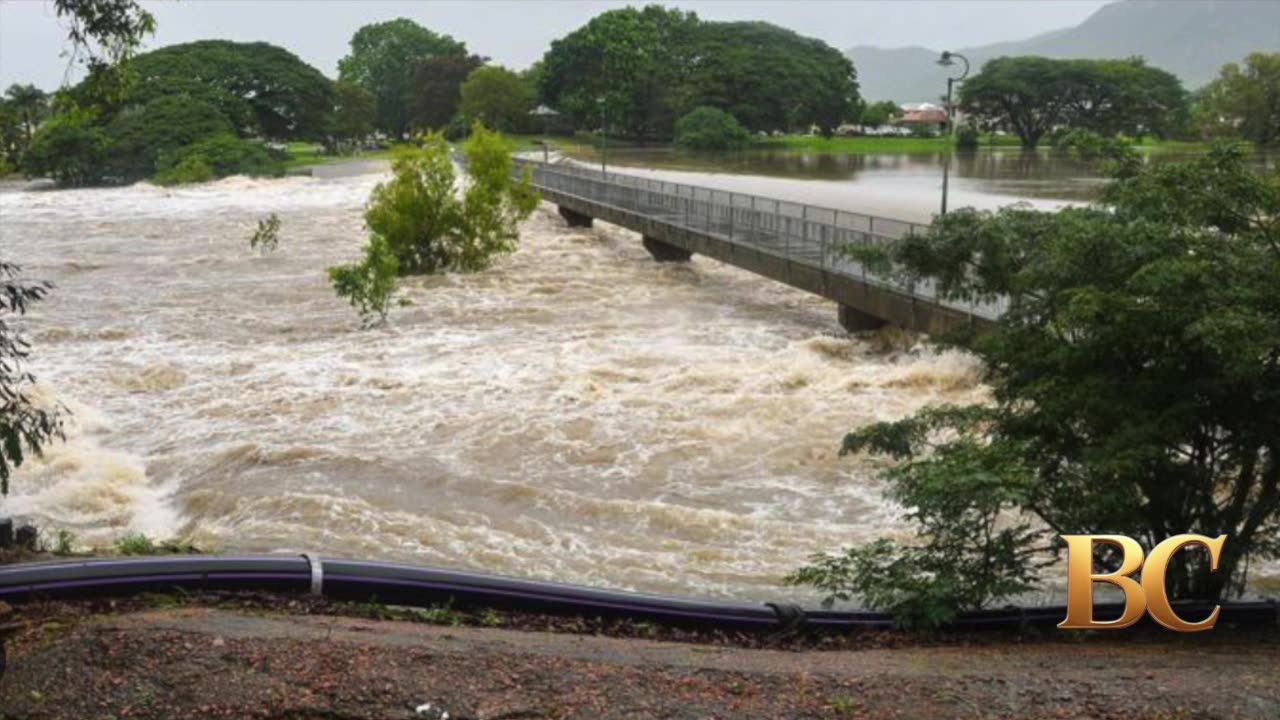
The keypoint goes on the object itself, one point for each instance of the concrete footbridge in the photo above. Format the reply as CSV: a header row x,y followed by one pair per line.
x,y
796,244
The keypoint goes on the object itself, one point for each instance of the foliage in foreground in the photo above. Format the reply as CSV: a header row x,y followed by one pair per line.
x,y
25,427
420,225
707,128
1135,382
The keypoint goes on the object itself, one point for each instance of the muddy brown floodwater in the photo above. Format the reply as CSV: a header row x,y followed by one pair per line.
x,y
576,413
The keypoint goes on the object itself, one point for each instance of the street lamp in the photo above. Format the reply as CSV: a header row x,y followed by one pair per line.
x,y
546,114
948,59
604,135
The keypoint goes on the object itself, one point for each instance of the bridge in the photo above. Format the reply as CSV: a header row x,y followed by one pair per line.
x,y
799,245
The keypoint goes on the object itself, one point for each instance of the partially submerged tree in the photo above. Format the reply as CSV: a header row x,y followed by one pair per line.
x,y
420,223
1135,382
25,427
707,128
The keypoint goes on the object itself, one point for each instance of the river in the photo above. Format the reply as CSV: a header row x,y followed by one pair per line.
x,y
576,413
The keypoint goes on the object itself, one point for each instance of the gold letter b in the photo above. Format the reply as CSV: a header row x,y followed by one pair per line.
x,y
1080,580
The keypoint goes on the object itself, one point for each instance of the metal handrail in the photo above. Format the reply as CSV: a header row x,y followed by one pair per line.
x,y
804,234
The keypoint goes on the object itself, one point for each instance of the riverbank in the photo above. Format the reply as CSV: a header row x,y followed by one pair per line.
x,y
225,662
860,145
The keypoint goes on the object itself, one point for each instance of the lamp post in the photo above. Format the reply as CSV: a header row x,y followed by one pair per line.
x,y
948,59
546,114
604,135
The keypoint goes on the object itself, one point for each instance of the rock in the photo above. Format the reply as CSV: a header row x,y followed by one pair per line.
x,y
26,537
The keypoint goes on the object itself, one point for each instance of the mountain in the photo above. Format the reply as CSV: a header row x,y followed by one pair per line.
x,y
1190,38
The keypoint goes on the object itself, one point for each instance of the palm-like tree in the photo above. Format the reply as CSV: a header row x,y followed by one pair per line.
x,y
31,102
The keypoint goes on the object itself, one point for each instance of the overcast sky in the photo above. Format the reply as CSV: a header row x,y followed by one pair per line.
x,y
517,32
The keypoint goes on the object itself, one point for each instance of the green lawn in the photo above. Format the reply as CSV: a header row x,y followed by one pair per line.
x,y
306,154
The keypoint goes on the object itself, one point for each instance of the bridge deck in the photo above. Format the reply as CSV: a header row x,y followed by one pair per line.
x,y
800,245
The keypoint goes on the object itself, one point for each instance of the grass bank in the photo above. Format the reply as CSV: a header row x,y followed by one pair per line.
x,y
307,154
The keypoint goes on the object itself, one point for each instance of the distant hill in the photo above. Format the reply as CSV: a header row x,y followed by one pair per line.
x,y
1190,38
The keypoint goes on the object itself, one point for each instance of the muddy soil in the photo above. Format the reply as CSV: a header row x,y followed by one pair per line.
x,y
229,663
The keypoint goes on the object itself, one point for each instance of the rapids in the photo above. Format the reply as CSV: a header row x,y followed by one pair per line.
x,y
576,413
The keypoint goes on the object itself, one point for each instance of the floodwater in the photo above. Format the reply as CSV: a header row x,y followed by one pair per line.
x,y
899,186
576,413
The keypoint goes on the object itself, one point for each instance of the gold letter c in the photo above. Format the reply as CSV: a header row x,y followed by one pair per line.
x,y
1153,574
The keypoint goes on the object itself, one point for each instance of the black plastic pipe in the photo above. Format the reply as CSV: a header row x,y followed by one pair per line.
x,y
399,584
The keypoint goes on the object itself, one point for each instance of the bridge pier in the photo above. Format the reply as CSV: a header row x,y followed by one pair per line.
x,y
575,218
855,320
665,252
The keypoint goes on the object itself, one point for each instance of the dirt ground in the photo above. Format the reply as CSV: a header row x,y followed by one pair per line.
x,y
218,662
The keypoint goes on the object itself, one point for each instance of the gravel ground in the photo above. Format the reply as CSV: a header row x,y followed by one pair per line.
x,y
237,662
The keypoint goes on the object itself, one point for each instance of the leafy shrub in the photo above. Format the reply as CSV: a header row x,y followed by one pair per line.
x,y
141,134
70,148
1120,350
192,169
135,544
967,137
224,155
708,128
1087,145
64,543
267,237
419,225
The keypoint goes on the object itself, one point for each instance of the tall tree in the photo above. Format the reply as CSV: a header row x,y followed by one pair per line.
x,y
770,78
1111,97
622,68
32,105
497,97
437,89
1034,95
1028,95
1135,383
1245,100
384,58
354,112
285,97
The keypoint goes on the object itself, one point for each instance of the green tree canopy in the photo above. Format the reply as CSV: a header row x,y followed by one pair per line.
x,y
1135,384
30,103
497,97
288,99
140,134
770,78
879,113
708,128
652,65
354,112
631,61
437,89
1034,95
1245,100
384,58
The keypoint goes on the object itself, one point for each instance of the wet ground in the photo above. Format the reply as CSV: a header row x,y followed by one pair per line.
x,y
201,662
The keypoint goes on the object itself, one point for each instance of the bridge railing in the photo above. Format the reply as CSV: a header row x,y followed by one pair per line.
x,y
809,235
